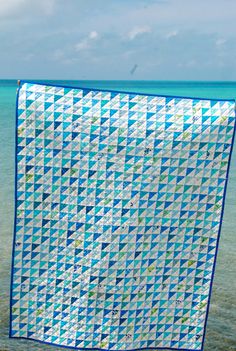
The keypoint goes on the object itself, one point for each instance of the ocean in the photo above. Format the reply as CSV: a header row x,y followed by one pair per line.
x,y
221,334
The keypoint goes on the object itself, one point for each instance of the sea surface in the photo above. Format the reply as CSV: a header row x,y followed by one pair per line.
x,y
221,327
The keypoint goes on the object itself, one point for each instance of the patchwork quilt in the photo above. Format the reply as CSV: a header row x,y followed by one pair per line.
x,y
119,205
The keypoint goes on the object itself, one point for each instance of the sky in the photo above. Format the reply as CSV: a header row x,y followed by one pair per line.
x,y
118,39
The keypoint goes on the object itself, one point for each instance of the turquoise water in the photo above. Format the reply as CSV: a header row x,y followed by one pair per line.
x,y
221,335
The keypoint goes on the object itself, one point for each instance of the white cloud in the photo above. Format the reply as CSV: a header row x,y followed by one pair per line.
x,y
85,44
82,45
153,31
93,35
9,8
171,34
220,42
136,31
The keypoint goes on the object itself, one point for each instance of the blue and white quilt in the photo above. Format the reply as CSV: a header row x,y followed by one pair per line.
x,y
119,204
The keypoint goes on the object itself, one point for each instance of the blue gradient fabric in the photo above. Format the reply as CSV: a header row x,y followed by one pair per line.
x,y
119,205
